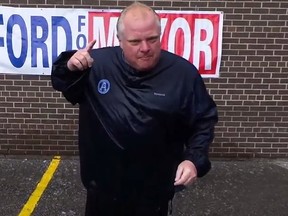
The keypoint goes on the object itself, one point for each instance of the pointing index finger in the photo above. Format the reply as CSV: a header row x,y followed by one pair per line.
x,y
90,45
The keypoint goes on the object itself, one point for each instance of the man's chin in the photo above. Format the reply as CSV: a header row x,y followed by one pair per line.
x,y
145,67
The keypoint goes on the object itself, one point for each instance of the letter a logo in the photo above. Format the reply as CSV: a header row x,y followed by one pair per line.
x,y
103,86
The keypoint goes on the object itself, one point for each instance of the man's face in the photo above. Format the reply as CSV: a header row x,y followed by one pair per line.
x,y
140,42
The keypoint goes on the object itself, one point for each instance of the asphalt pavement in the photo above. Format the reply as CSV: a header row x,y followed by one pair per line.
x,y
231,188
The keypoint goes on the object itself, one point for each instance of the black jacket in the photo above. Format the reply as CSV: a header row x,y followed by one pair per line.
x,y
136,127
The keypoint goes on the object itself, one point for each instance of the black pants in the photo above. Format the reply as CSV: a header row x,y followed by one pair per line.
x,y
101,204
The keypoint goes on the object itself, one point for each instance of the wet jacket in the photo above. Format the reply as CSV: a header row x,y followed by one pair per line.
x,y
136,127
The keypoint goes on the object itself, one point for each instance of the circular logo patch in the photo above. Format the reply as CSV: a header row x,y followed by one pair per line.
x,y
103,86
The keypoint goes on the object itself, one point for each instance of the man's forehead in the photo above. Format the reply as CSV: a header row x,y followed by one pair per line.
x,y
141,32
142,38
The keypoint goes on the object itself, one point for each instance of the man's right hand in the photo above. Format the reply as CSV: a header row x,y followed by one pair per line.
x,y
81,60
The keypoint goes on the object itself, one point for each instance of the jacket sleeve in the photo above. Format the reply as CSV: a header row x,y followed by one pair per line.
x,y
70,83
202,118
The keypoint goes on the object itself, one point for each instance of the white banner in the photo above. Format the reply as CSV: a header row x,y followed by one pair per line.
x,y
32,38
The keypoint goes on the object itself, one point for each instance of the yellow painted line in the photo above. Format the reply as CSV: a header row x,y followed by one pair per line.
x,y
30,205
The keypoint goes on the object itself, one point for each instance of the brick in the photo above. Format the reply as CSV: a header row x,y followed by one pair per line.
x,y
243,10
72,2
252,4
113,3
18,2
163,3
37,2
280,10
260,11
89,2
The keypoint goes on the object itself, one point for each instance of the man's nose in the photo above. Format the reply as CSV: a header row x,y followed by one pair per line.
x,y
144,46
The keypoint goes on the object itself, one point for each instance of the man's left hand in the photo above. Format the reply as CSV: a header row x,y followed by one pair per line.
x,y
186,173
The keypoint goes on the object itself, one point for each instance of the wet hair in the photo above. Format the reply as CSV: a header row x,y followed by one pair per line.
x,y
120,26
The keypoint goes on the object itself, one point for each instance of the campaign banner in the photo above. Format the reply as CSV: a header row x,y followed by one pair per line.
x,y
32,38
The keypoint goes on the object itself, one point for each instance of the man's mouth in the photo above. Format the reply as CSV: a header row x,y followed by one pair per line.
x,y
145,58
